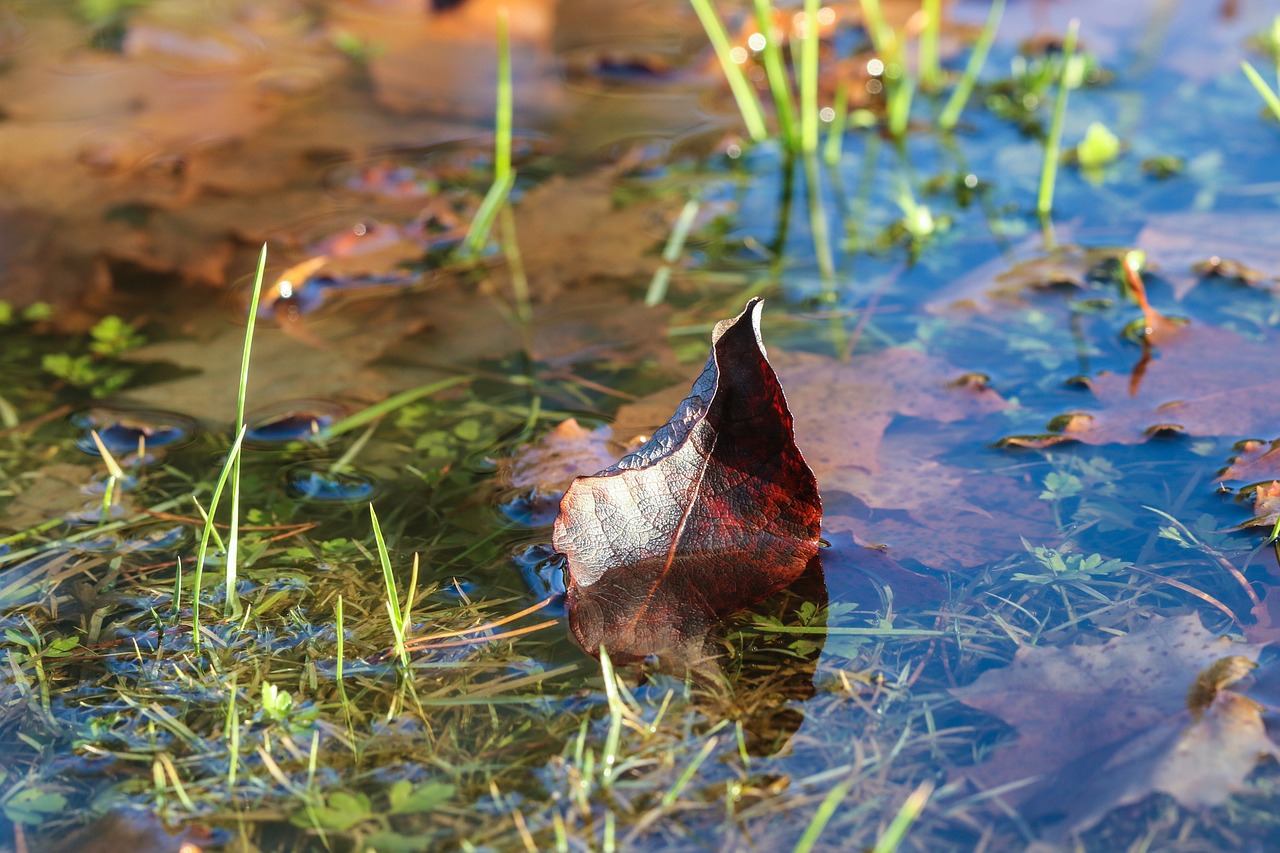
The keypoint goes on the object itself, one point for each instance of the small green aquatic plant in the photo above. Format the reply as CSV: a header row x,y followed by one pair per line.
x,y
1098,148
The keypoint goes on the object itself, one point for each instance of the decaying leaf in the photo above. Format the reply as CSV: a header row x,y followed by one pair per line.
x,y
715,512
1104,726
552,463
137,832
1009,280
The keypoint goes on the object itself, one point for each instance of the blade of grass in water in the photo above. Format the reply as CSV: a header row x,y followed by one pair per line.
x,y
503,176
393,597
899,105
809,79
392,403
776,73
671,253
902,821
835,137
820,818
930,71
743,92
232,458
1053,144
977,59
1268,94
232,604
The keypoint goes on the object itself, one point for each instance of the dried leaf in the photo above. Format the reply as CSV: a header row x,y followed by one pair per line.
x,y
552,463
1104,726
715,512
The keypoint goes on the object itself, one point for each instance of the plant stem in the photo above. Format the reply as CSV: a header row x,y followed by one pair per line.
x,y
232,458
809,79
1268,94
930,71
977,58
743,92
671,253
835,137
1049,168
232,604
503,175
776,73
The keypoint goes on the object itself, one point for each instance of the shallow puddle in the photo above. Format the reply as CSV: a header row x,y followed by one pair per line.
x,y
1042,610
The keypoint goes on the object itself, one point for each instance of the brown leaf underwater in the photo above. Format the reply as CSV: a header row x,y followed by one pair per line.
x,y
1107,725
715,512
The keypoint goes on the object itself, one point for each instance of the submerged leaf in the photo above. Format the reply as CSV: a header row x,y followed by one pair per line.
x,y
1194,379
1104,726
715,512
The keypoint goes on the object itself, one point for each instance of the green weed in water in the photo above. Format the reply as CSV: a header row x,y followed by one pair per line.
x,y
1053,143
1269,96
503,175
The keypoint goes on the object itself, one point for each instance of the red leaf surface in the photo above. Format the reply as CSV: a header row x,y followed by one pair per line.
x,y
718,510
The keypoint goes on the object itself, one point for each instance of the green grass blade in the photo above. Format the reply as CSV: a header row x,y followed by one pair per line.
x,y
478,233
506,102
809,79
1268,94
671,253
614,737
902,821
775,71
977,59
839,123
899,106
393,597
930,70
673,793
232,604
392,403
743,92
1053,145
203,550
822,816
503,175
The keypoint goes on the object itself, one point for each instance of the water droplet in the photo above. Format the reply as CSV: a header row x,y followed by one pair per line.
x,y
316,482
124,430
94,513
158,537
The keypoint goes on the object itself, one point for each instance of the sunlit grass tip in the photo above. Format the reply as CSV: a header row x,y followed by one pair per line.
x,y
1268,94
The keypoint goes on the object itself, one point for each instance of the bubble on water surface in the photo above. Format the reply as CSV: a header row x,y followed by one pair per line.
x,y
124,430
316,482
457,587
293,420
542,568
